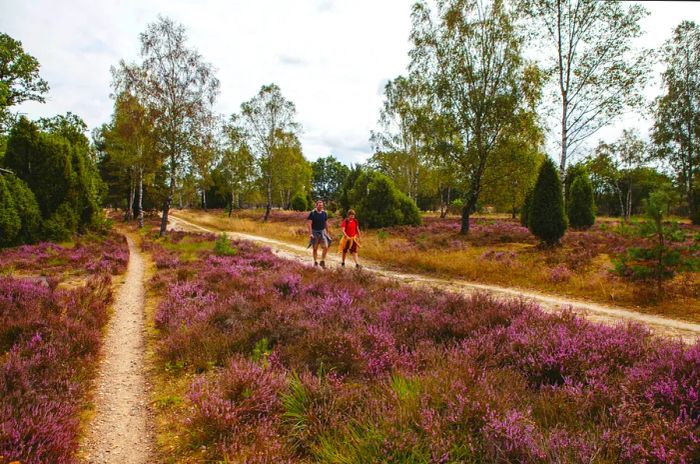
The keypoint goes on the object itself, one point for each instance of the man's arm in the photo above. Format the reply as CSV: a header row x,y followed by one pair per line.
x,y
308,223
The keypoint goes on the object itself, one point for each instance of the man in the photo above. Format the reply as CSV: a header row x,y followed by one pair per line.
x,y
318,232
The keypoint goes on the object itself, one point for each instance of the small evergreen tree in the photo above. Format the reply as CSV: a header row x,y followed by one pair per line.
x,y
525,211
581,207
379,203
10,223
546,217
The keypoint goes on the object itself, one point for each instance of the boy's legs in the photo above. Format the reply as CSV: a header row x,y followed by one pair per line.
x,y
354,257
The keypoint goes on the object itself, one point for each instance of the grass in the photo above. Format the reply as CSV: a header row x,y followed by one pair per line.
x,y
532,268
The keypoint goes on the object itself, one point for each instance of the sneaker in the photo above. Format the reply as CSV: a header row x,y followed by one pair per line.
x,y
358,266
315,263
323,264
343,264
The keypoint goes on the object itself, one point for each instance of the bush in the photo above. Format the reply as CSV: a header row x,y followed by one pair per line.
x,y
409,210
546,216
581,207
456,206
525,211
299,203
379,203
10,223
27,209
62,224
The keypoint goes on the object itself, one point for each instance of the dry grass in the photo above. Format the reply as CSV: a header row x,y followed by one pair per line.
x,y
531,270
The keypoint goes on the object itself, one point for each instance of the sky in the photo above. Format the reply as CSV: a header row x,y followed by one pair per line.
x,y
332,58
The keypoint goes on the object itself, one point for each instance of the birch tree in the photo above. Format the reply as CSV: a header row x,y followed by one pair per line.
x,y
676,131
597,75
264,118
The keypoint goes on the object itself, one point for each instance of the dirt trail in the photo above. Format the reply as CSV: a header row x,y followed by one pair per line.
x,y
687,331
121,431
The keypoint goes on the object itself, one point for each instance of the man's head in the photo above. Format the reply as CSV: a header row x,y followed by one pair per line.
x,y
319,205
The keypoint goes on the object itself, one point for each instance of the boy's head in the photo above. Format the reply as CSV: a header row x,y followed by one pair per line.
x,y
351,213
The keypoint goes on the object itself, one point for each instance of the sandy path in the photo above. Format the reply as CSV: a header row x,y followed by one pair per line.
x,y
121,431
688,331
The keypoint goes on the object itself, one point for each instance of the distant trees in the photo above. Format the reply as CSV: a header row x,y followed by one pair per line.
x,y
597,76
265,118
676,132
328,176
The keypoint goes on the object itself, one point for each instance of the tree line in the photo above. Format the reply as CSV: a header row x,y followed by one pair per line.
x,y
464,128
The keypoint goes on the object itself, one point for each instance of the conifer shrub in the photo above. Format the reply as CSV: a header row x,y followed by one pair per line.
x,y
27,209
380,204
525,211
62,224
10,223
546,217
581,206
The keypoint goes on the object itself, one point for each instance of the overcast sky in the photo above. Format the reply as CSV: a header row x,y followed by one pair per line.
x,y
330,57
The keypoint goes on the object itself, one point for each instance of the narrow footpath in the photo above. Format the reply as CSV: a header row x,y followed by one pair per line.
x,y
121,431
667,327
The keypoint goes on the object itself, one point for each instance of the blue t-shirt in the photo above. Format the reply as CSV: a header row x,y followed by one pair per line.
x,y
318,220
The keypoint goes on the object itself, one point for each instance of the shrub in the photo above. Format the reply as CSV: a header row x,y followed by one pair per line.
x,y
62,224
379,203
223,247
299,203
27,209
581,207
525,211
10,223
547,220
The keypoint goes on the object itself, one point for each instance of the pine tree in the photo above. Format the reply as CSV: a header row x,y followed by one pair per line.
x,y
581,208
546,218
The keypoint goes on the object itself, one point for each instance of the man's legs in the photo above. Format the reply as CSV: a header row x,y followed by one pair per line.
x,y
315,251
323,255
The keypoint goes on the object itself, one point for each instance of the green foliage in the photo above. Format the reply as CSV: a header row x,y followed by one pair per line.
x,y
62,224
347,187
299,202
328,178
581,209
10,222
525,211
547,219
27,209
379,203
661,261
58,168
19,77
262,351
223,246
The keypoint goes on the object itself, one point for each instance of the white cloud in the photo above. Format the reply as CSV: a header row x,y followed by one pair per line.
x,y
331,58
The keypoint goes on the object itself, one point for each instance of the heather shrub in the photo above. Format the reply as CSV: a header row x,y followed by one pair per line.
x,y
580,206
335,367
546,217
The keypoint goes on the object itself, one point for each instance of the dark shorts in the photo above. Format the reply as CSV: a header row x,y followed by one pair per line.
x,y
352,249
320,238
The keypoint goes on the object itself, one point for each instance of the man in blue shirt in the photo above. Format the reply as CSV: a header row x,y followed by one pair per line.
x,y
318,232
